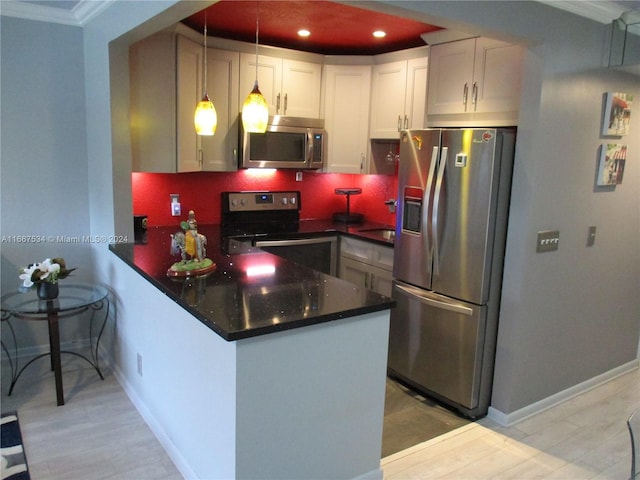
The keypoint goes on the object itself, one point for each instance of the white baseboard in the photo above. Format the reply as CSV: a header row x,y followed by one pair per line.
x,y
181,464
376,474
509,419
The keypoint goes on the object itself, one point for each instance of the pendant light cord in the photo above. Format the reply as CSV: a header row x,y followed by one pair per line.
x,y
257,31
205,53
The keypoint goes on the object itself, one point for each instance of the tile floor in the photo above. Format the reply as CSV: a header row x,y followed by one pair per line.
x,y
98,434
410,419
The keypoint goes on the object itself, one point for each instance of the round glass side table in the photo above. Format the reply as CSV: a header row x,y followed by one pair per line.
x,y
72,300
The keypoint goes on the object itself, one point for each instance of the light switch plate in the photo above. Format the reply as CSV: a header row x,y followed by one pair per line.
x,y
548,241
591,238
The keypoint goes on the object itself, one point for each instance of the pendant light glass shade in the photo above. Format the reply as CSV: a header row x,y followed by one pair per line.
x,y
255,112
205,119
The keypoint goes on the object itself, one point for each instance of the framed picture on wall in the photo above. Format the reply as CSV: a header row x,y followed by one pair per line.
x,y
613,157
617,113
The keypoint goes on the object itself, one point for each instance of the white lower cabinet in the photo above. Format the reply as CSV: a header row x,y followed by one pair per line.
x,y
366,264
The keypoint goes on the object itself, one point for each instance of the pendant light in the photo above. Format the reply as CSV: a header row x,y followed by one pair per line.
x,y
255,111
205,118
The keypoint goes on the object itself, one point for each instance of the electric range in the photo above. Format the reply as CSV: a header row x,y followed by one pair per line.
x,y
249,214
270,220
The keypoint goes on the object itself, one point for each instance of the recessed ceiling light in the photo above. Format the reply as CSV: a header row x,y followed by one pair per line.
x,y
379,34
304,32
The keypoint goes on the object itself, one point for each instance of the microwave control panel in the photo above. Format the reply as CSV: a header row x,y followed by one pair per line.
x,y
261,201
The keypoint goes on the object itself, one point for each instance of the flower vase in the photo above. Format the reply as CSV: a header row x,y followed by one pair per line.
x,y
47,291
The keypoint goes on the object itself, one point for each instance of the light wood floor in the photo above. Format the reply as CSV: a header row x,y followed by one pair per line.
x,y
98,434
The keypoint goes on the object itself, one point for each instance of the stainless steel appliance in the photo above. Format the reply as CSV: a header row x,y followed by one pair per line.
x,y
289,142
454,188
270,221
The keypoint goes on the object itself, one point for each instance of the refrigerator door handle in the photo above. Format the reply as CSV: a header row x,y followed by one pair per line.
x,y
436,206
426,202
428,299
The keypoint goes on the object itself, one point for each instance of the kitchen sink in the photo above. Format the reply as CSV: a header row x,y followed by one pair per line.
x,y
386,233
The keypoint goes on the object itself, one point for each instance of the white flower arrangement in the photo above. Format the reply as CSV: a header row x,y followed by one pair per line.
x,y
49,270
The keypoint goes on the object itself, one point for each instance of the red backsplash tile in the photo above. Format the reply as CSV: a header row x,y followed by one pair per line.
x,y
201,192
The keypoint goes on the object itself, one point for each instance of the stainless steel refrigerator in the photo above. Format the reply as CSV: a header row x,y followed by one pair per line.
x,y
453,200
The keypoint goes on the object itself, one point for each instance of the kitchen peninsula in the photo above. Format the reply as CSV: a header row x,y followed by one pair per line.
x,y
260,369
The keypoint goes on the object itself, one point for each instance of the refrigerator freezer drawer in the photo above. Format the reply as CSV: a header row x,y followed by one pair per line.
x,y
436,344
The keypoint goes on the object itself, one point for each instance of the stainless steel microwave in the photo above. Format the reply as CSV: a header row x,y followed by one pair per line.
x,y
289,142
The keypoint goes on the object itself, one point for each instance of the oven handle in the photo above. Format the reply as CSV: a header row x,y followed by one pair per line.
x,y
296,241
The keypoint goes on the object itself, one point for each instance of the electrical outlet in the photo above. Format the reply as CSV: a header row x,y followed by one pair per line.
x,y
298,176
176,209
139,364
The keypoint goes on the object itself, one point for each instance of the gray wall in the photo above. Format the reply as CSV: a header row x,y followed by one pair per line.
x,y
44,154
43,158
566,316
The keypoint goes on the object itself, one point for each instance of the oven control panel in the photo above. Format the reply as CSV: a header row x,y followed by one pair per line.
x,y
261,201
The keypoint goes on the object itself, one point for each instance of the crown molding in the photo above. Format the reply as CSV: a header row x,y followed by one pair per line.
x,y
598,10
81,14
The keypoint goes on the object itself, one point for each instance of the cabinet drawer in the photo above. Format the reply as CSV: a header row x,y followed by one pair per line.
x,y
382,257
368,252
356,249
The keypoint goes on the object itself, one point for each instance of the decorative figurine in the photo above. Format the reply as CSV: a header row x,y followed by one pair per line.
x,y
192,247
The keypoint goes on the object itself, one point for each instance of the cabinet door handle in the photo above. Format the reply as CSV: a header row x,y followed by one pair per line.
x,y
200,157
465,92
278,103
285,104
474,95
406,122
361,162
399,122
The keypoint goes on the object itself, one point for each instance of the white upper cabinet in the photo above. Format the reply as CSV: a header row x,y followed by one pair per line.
x,y
152,67
189,93
207,153
165,87
291,87
346,95
300,96
498,74
398,99
220,152
477,80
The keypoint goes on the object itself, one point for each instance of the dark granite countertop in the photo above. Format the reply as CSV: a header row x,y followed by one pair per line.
x,y
365,230
252,292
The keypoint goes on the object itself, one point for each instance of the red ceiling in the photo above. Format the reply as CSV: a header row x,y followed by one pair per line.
x,y
336,29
